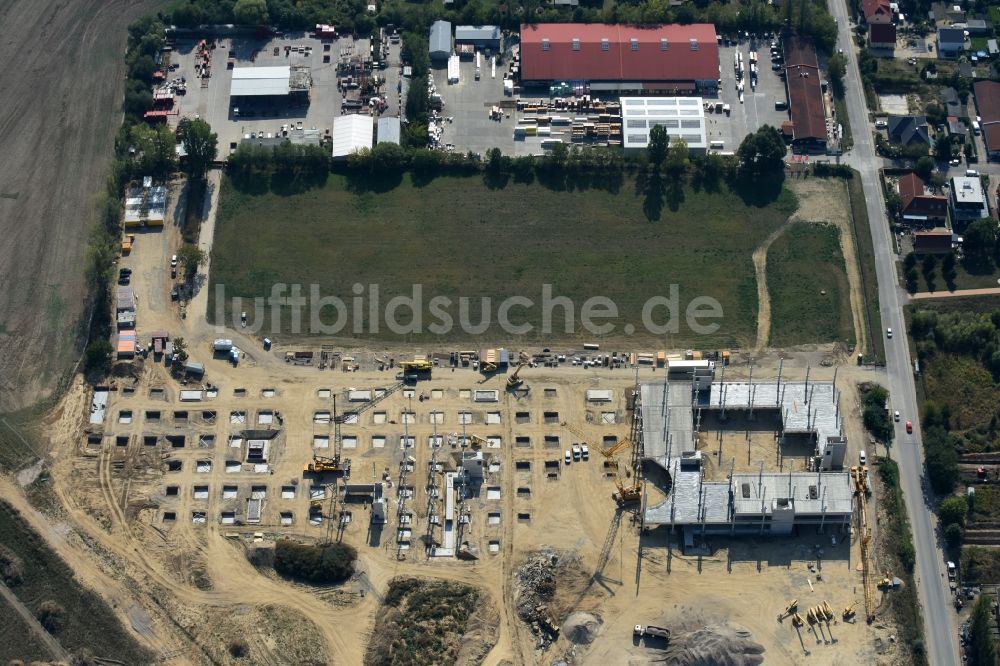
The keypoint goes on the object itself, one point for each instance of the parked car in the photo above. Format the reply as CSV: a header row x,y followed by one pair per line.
x,y
888,332
576,452
569,457
909,427
585,452
896,415
173,261
863,457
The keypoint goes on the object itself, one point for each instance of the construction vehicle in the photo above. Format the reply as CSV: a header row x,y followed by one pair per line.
x,y
515,380
797,620
827,610
127,243
626,494
862,491
649,631
849,612
790,609
322,465
415,366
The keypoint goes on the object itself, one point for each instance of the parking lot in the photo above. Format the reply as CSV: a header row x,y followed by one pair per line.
x,y
212,102
758,107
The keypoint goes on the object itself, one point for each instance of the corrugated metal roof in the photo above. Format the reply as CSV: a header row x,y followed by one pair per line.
x,y
352,133
608,52
260,81
388,130
440,42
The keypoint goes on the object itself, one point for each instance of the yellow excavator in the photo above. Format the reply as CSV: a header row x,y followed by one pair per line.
x,y
627,494
849,612
514,380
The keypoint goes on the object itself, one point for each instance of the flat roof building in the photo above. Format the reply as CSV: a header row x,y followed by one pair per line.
x,y
968,200
482,36
667,58
352,133
277,81
803,83
145,206
760,502
440,40
682,117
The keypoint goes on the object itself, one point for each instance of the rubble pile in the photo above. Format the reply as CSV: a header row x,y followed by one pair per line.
x,y
536,586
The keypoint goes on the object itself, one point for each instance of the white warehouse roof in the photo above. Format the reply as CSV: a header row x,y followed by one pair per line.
x,y
252,81
352,133
682,117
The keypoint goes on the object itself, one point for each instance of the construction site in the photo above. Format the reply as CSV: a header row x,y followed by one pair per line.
x,y
581,499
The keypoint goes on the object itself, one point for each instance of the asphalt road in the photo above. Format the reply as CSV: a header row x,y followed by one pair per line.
x,y
932,586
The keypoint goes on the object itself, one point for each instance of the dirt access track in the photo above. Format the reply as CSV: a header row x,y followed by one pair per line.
x,y
61,84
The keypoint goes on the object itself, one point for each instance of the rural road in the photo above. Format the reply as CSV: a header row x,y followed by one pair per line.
x,y
923,295
932,591
51,644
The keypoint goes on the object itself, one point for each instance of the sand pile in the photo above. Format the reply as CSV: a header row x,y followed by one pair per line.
x,y
715,645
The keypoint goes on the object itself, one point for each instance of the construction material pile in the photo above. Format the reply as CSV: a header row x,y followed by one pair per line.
x,y
581,628
536,586
714,645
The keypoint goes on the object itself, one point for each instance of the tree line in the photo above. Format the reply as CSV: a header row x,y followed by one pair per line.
x,y
807,17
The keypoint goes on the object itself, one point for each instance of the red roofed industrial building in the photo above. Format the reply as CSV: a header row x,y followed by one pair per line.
x,y
916,206
988,106
803,83
668,58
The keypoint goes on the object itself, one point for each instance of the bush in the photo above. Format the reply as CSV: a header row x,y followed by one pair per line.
x,y
51,616
11,567
954,534
320,564
953,510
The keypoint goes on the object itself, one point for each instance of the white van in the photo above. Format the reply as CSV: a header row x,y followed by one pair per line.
x,y
975,127
862,457
717,145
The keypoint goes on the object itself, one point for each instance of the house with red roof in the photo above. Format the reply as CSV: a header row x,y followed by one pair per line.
x,y
917,207
882,37
877,11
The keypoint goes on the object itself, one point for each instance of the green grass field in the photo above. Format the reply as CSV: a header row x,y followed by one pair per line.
x,y
803,262
88,623
26,647
457,237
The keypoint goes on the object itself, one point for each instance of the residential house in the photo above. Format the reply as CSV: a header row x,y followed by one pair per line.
x,y
953,103
988,108
968,200
882,37
918,207
957,129
933,241
908,131
877,11
950,42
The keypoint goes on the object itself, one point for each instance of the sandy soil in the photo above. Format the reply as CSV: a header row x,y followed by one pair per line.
x,y
820,200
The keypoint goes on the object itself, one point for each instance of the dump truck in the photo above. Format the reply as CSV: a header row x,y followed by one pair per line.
x,y
649,631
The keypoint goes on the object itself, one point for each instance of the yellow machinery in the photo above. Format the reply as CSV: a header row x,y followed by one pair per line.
x,y
321,465
790,609
127,243
626,494
416,366
861,491
514,380
849,611
797,620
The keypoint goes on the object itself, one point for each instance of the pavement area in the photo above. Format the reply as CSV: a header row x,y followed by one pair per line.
x,y
940,630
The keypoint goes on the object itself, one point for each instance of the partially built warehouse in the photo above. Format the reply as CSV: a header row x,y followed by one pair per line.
x,y
669,416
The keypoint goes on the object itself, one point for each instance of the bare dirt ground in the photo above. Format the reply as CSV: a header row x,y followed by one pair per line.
x,y
61,82
820,200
